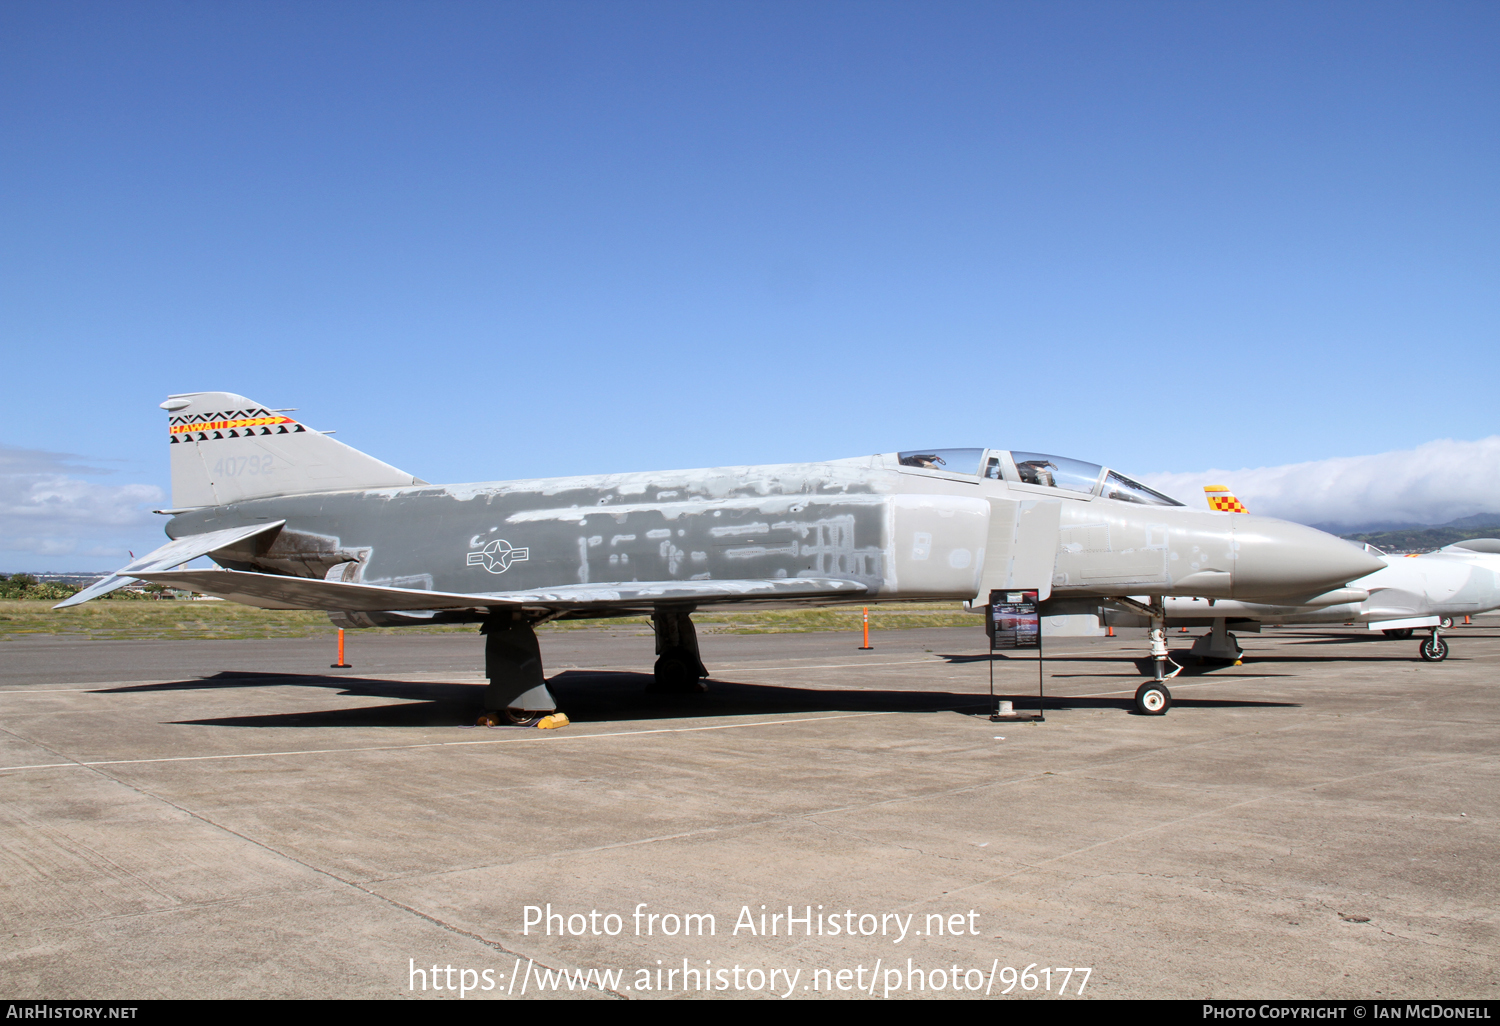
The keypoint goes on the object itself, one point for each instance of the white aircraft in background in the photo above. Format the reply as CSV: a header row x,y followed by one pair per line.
x,y
1414,591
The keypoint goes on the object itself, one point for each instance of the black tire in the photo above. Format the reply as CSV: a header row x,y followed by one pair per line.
x,y
677,674
1152,699
1446,623
1434,650
1401,633
524,717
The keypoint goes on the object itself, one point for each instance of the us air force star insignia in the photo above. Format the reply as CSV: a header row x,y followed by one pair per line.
x,y
497,556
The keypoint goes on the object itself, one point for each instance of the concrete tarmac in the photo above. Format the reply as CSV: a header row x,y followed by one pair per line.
x,y
235,819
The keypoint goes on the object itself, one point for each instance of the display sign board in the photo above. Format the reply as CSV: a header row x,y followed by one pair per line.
x,y
1014,621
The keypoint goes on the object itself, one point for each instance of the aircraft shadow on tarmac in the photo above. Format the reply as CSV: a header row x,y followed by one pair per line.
x,y
602,696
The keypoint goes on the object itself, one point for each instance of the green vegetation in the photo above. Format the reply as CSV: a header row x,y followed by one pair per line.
x,y
1422,539
135,620
25,586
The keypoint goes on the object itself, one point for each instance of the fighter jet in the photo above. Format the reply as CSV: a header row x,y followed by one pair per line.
x,y
295,519
1406,593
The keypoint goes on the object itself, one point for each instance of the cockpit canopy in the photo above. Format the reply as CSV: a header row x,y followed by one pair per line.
x,y
1036,468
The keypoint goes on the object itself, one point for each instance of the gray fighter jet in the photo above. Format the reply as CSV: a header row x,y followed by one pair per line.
x,y
297,520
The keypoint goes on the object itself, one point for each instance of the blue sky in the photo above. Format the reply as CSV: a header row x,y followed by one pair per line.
x,y
493,240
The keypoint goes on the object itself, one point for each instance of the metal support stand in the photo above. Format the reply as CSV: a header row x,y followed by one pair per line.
x,y
1041,698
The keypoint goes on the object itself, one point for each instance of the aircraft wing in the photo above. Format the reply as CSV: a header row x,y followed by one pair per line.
x,y
174,553
272,591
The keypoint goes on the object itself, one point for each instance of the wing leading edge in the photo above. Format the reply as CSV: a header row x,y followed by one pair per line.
x,y
271,591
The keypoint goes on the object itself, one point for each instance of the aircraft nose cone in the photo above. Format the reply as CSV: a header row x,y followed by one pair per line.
x,y
1274,557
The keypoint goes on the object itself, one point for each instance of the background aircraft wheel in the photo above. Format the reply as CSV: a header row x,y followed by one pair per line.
x,y
677,673
524,717
1152,699
1398,632
1434,650
1446,623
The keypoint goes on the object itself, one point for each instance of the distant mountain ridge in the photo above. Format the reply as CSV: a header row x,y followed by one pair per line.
x,y
1490,521
1420,538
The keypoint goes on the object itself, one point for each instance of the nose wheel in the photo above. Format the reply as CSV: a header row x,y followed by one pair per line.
x,y
1434,649
1152,699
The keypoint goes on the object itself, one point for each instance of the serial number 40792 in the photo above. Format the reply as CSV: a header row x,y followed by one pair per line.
x,y
234,466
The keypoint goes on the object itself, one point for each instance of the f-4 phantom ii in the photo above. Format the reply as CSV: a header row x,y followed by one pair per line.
x,y
296,519
1406,593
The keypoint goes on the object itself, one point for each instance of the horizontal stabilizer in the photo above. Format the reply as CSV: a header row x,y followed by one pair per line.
x,y
173,553
271,591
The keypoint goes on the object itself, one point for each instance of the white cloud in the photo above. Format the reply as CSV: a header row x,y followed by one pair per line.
x,y
47,511
1431,484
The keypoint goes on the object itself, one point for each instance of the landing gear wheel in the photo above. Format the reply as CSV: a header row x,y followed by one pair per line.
x,y
677,674
1434,649
1153,699
1400,633
1446,623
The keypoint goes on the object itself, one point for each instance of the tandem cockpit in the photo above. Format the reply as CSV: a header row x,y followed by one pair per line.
x,y
1034,468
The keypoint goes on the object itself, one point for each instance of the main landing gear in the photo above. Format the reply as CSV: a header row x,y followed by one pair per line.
x,y
1218,645
679,668
518,693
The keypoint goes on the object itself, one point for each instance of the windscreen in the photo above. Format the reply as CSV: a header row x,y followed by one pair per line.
x,y
1118,486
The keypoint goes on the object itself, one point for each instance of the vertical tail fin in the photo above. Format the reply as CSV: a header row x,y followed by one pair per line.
x,y
226,448
1221,499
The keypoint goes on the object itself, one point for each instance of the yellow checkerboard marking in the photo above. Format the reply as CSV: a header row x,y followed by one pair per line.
x,y
1220,498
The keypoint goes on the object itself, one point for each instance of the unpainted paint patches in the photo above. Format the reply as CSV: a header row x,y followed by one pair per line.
x,y
760,551
734,530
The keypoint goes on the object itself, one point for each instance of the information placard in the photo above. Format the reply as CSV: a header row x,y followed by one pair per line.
x,y
1014,620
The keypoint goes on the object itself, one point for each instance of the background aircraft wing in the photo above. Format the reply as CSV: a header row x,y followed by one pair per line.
x,y
174,553
272,591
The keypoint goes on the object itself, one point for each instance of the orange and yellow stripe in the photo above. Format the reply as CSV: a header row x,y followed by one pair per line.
x,y
224,425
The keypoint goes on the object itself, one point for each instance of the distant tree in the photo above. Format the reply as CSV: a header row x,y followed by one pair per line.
x,y
25,586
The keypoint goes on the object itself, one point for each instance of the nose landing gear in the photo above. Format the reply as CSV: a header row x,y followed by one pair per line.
x,y
1434,649
1159,656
